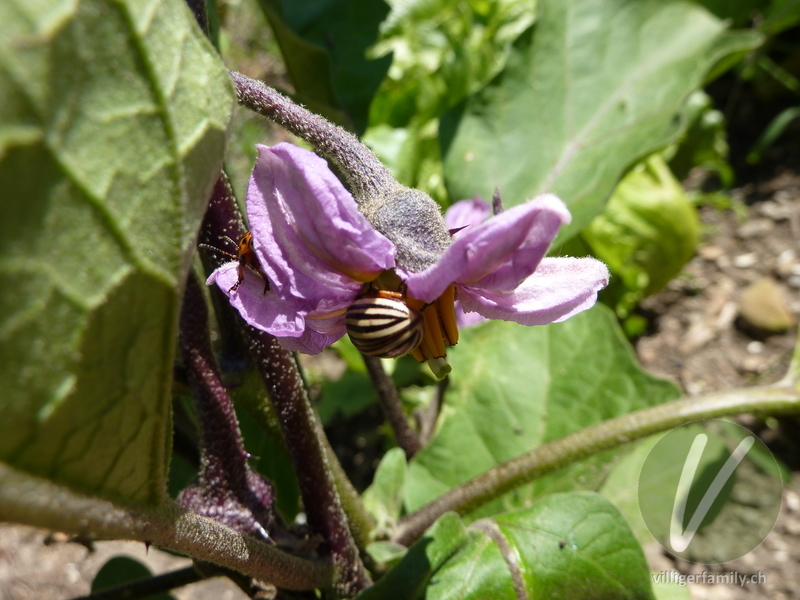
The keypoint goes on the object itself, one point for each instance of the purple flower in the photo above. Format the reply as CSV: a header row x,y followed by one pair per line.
x,y
320,254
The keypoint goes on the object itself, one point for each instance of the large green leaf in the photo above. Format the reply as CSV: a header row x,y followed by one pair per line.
x,y
594,86
565,546
345,29
514,388
112,128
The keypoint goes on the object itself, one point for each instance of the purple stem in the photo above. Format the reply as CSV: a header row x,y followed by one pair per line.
x,y
392,407
296,416
228,490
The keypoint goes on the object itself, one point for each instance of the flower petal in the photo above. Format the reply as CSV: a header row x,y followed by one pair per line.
x,y
497,254
560,288
295,330
467,212
294,188
467,319
265,312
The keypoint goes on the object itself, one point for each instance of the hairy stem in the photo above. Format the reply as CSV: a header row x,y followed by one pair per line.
x,y
392,407
608,434
228,489
35,501
304,439
364,172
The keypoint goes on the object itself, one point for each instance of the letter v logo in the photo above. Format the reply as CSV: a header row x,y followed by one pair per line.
x,y
680,539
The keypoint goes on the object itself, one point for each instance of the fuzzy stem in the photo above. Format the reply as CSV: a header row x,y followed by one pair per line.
x,y
602,436
392,407
224,459
35,501
366,175
307,451
305,441
224,214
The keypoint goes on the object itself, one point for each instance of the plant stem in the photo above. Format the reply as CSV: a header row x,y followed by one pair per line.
x,y
409,218
35,501
429,417
307,451
143,588
304,439
228,489
364,172
602,436
392,407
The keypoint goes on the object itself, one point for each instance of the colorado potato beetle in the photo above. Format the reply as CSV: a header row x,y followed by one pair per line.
x,y
381,324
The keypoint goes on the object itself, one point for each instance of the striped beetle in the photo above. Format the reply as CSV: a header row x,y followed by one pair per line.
x,y
246,257
381,324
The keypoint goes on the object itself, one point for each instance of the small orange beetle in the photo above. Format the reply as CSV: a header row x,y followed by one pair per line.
x,y
246,257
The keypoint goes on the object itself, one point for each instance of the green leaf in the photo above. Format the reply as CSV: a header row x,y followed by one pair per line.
x,y
565,546
593,87
384,498
345,29
112,128
308,67
705,143
514,388
442,52
123,569
647,233
621,487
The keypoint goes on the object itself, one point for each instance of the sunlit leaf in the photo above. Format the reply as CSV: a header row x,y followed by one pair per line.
x,y
113,126
647,232
514,388
565,546
592,87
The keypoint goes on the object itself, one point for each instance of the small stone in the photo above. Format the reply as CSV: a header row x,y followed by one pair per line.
x,y
792,501
755,228
753,364
777,211
786,262
745,261
763,306
710,252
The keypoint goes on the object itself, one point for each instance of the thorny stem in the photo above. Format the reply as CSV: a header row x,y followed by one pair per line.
x,y
144,588
35,501
555,455
364,172
392,407
305,441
